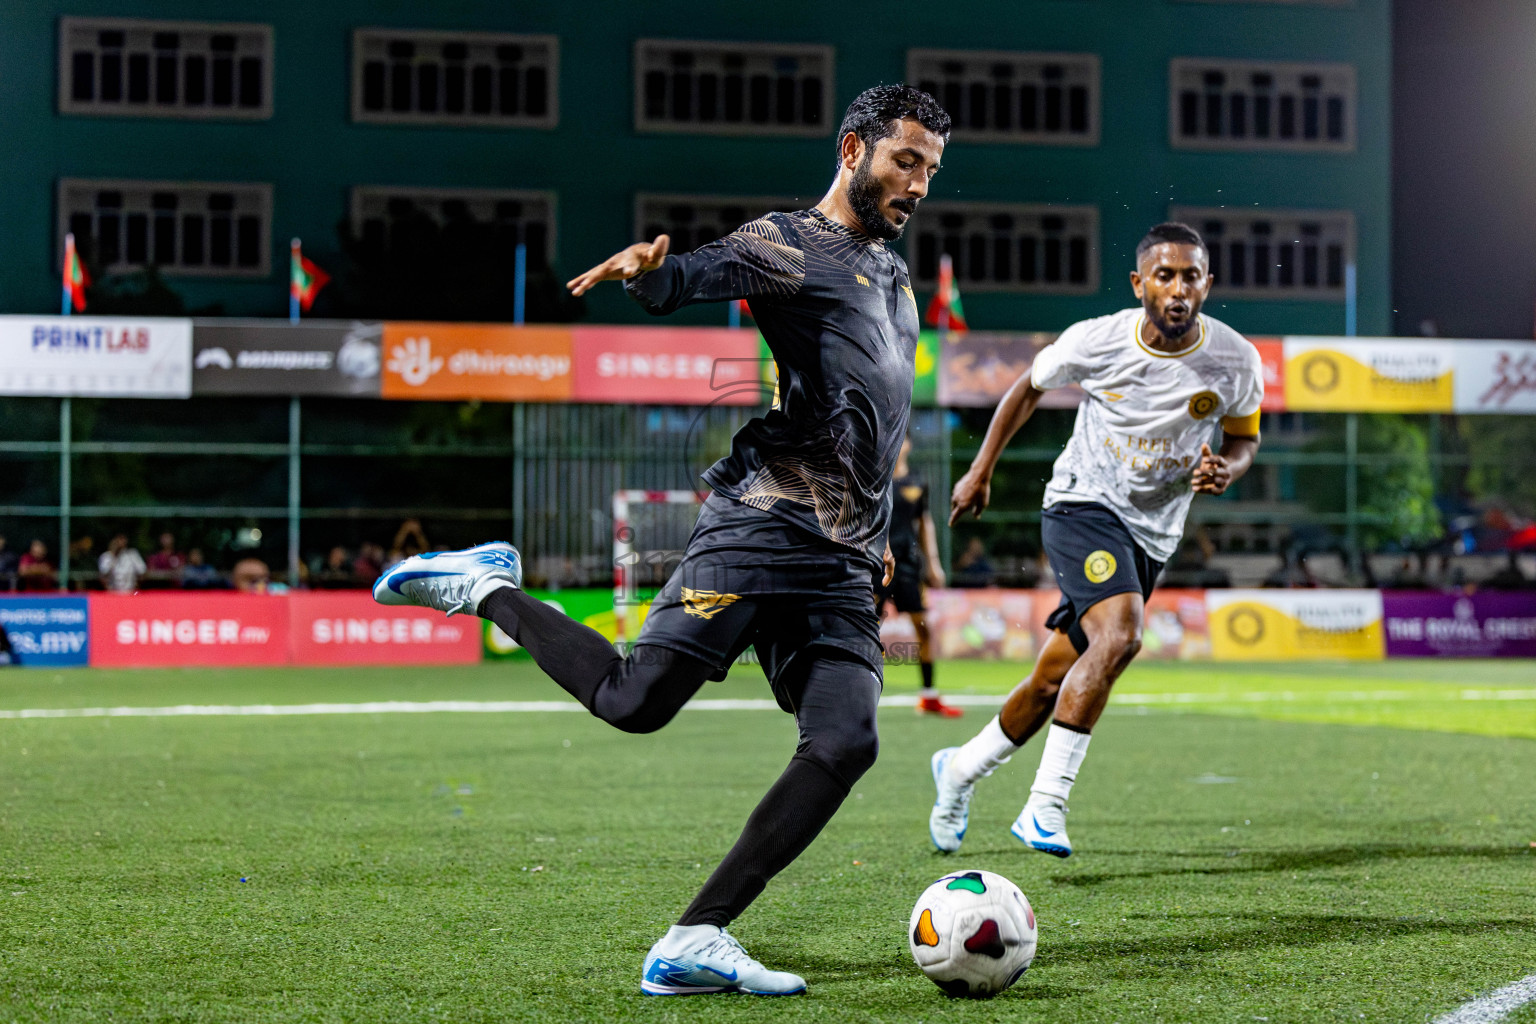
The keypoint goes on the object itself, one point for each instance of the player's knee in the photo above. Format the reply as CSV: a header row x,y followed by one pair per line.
x,y
638,721
1122,641
847,755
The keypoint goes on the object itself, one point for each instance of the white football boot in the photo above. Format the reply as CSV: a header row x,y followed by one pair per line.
x,y
951,812
1042,825
699,959
451,581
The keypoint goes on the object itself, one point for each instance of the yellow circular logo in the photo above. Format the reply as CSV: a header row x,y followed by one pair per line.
x,y
1245,626
1099,566
1203,404
1320,373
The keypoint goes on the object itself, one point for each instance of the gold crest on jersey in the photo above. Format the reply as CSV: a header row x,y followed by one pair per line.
x,y
1203,404
1099,566
705,603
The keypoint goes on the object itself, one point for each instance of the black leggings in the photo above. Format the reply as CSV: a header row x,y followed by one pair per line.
x,y
834,697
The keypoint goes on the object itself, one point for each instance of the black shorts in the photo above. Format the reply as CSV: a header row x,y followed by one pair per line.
x,y
906,589
1094,557
748,579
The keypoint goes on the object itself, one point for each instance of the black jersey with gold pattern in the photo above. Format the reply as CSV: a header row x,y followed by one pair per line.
x,y
837,310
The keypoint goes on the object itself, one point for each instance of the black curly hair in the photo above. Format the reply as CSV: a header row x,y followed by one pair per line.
x,y
1169,231
873,114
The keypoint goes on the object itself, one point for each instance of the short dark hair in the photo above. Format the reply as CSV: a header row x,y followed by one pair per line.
x,y
1169,231
873,114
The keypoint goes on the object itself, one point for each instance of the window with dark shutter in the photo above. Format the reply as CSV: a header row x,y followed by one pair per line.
x,y
141,68
733,88
484,79
386,216
1277,254
183,228
1261,105
1007,247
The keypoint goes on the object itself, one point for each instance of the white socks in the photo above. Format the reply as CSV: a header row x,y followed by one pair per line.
x,y
981,754
1063,756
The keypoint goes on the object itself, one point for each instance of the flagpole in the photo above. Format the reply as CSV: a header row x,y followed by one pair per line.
x,y
519,282
294,265
69,263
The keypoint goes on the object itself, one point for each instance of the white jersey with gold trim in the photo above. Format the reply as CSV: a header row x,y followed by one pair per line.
x,y
1145,414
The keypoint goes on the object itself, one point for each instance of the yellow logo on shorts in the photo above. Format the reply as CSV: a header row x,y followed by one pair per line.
x,y
705,603
1203,404
1099,566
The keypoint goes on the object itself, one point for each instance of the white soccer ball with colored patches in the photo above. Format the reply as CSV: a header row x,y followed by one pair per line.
x,y
973,933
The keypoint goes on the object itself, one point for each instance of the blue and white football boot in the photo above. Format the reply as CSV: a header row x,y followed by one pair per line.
x,y
451,581
1042,825
951,812
700,959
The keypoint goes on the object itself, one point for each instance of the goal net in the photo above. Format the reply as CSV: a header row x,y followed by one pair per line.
x,y
650,531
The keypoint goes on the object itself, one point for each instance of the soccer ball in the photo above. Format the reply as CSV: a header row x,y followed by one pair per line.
x,y
973,934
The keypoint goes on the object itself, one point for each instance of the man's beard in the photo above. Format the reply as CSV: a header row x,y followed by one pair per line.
x,y
1171,331
864,195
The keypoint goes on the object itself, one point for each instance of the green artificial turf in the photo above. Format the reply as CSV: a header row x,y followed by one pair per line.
x,y
490,867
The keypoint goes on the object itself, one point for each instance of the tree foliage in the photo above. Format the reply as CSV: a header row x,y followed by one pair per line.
x,y
1397,494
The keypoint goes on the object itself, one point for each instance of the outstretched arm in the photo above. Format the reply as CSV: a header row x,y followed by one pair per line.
x,y
974,490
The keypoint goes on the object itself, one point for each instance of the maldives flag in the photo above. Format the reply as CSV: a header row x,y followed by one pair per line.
x,y
946,300
76,280
306,279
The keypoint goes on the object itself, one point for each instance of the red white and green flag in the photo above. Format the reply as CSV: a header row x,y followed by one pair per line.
x,y
945,311
76,280
305,281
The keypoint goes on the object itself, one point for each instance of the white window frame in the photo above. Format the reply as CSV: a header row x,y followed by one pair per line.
x,y
68,105
931,210
1020,59
360,37
362,193
720,127
766,204
260,191
1274,143
1196,216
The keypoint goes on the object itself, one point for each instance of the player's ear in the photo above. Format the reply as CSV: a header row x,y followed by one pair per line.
x,y
1136,283
851,149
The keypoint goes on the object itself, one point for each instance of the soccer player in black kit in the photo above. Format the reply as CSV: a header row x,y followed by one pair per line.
x,y
791,542
914,547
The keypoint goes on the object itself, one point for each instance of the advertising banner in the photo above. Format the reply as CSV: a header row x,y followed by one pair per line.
x,y
1177,627
591,606
666,365
1272,354
1496,376
1295,625
344,627
1371,375
47,632
273,357
976,367
1489,624
489,362
120,357
166,628
982,624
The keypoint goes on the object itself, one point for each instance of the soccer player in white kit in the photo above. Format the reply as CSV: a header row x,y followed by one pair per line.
x,y
1162,383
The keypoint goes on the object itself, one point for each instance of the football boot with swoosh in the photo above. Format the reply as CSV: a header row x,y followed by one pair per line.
x,y
451,581
702,958
1042,825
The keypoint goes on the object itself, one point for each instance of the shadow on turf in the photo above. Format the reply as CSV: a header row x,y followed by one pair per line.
x,y
1304,859
1273,930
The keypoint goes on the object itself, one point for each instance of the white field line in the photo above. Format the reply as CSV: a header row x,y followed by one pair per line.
x,y
1495,1005
399,707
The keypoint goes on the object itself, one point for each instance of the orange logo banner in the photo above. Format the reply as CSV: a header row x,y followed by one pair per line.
x,y
491,362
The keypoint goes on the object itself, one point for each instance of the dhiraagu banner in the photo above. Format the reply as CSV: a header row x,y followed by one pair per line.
x,y
1369,375
1295,625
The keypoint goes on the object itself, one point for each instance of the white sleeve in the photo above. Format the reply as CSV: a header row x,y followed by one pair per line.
x,y
1251,391
1062,362
104,563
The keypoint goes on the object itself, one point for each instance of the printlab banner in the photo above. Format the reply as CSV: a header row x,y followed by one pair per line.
x,y
47,632
269,357
1483,625
1295,625
1372,375
119,357
350,628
